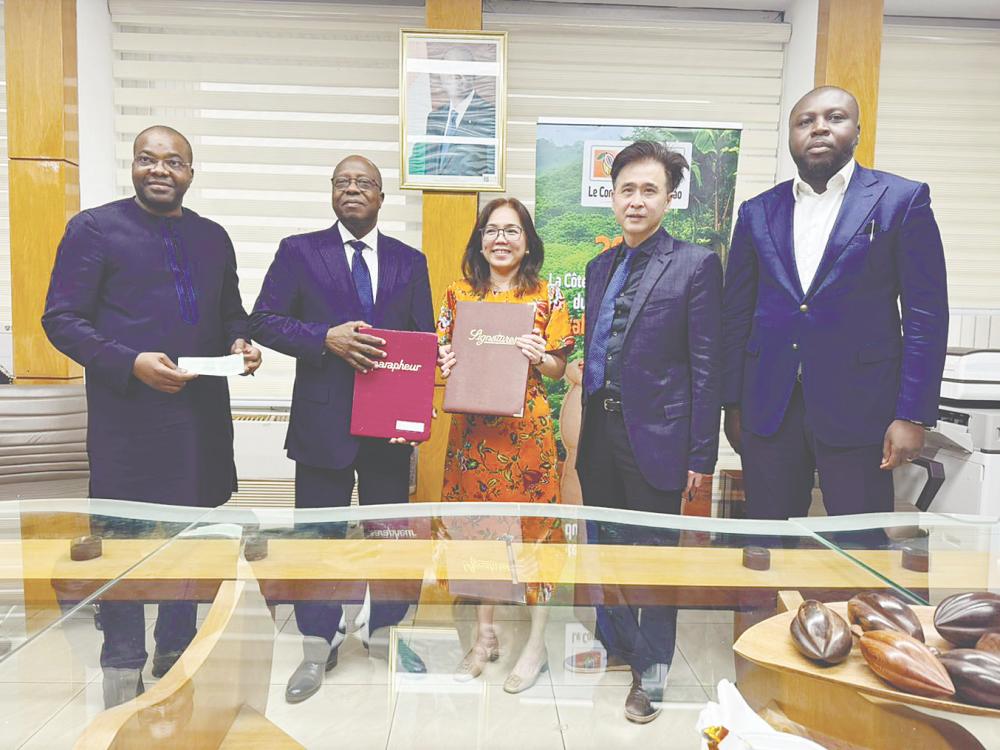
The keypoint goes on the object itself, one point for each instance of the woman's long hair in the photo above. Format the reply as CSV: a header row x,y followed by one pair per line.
x,y
476,268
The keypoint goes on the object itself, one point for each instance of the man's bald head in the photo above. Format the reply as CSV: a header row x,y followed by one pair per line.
x,y
184,145
355,162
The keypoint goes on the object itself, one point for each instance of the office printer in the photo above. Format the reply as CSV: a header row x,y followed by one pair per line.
x,y
959,469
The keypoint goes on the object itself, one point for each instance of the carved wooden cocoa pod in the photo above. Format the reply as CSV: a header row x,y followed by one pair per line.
x,y
906,663
989,642
976,675
821,634
876,610
964,618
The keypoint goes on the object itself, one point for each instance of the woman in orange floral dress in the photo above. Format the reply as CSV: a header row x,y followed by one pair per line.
x,y
508,459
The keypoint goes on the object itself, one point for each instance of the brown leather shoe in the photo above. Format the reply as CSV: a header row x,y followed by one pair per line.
x,y
638,708
595,662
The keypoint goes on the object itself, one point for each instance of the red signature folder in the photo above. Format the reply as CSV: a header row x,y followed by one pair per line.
x,y
396,398
490,374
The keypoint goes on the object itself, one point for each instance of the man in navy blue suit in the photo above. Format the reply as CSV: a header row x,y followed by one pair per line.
x,y
320,293
651,405
835,323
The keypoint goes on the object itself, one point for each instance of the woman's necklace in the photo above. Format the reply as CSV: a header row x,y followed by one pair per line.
x,y
497,289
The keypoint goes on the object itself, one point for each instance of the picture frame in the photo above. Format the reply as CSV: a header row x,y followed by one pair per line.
x,y
452,110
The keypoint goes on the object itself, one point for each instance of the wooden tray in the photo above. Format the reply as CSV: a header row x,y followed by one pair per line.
x,y
769,644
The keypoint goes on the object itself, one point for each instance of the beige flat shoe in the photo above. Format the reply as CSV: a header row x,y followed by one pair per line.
x,y
472,665
516,684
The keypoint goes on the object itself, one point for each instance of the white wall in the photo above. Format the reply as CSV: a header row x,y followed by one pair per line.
x,y
96,103
800,72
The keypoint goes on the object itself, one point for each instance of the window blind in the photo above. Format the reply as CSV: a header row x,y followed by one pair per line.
x,y
576,61
939,105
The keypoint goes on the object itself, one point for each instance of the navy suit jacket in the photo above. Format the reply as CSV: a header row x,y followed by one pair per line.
x,y
308,289
671,367
862,366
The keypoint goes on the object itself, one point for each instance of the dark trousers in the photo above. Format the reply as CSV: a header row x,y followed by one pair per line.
x,y
124,622
383,476
642,635
778,471
124,626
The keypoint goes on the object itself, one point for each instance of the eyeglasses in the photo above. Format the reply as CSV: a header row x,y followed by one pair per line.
x,y
364,184
147,162
511,233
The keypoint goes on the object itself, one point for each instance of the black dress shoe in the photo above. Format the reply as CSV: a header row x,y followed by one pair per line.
x,y
163,661
305,682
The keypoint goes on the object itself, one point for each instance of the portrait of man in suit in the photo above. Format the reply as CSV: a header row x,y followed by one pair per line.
x,y
835,323
465,114
321,292
651,401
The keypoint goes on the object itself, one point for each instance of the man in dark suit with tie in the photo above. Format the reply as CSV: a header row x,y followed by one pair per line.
x,y
651,404
320,293
835,323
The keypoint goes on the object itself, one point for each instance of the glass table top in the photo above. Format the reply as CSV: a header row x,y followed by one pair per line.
x,y
213,609
926,555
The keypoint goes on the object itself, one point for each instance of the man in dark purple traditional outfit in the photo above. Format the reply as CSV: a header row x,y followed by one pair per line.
x,y
138,283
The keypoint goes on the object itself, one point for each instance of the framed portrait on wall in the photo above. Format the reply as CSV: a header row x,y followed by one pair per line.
x,y
452,110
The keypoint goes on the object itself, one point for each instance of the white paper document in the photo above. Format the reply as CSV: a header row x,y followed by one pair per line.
x,y
231,364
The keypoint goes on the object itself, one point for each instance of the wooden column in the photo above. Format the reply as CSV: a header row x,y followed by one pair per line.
x,y
447,221
43,152
849,54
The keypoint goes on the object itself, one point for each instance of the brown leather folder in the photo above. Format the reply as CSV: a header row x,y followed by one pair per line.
x,y
490,374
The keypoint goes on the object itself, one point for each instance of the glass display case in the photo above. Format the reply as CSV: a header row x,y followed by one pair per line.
x,y
130,624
